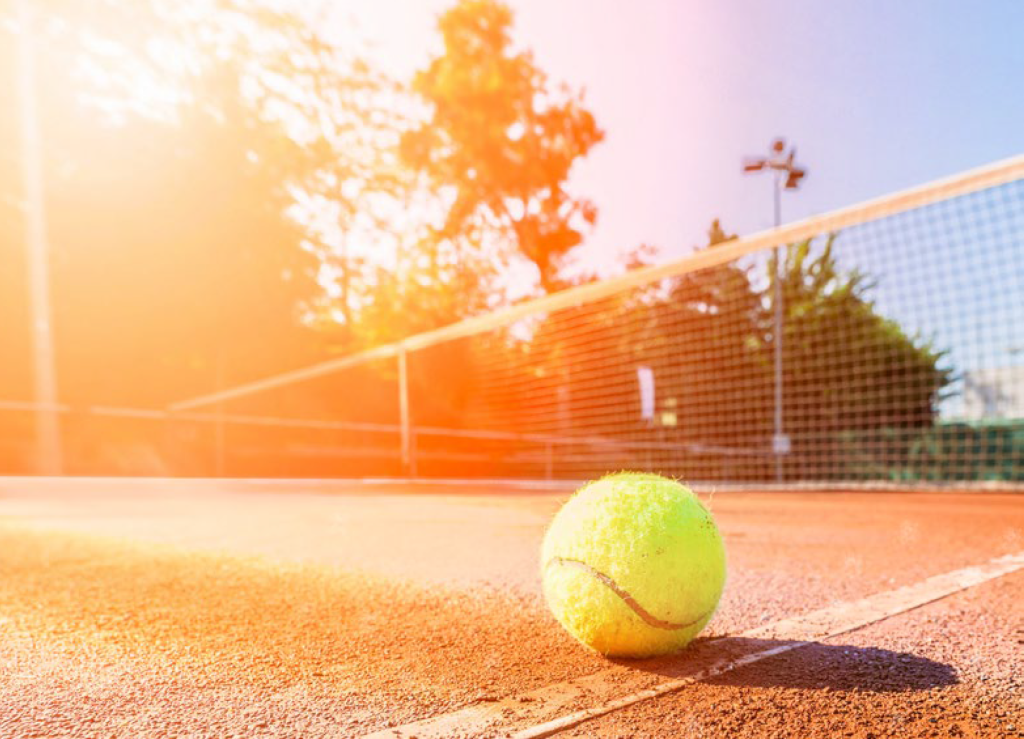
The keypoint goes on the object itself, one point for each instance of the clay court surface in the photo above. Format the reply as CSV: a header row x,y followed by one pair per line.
x,y
133,608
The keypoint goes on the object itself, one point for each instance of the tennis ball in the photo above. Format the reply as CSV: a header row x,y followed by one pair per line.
x,y
633,565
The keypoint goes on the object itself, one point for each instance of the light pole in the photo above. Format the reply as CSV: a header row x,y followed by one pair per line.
x,y
785,176
48,447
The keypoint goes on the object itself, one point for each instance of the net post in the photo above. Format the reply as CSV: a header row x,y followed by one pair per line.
x,y
219,442
780,443
168,431
777,438
403,411
218,423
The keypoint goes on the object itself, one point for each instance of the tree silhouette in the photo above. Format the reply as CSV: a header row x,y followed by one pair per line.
x,y
501,139
850,373
852,376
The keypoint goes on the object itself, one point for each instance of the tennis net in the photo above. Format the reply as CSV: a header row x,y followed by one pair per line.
x,y
896,356
901,360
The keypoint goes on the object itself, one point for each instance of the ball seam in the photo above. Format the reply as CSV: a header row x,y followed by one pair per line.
x,y
646,616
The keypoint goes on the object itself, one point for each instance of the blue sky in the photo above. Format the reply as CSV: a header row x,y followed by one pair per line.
x,y
877,96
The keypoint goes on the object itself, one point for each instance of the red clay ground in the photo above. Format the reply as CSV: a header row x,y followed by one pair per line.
x,y
159,609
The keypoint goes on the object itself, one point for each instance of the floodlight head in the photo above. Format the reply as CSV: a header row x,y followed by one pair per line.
x,y
778,145
753,165
795,175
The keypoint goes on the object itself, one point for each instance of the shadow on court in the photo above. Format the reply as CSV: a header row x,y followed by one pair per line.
x,y
816,666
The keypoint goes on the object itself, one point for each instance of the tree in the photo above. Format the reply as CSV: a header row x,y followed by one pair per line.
x,y
348,116
179,145
171,249
221,158
498,144
850,373
688,329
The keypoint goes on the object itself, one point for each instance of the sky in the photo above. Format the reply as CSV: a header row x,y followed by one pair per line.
x,y
876,96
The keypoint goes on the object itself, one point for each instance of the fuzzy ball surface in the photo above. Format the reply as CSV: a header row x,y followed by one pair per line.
x,y
633,565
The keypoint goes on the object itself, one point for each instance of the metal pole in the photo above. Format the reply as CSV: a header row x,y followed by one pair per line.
x,y
168,443
219,442
403,411
777,438
48,442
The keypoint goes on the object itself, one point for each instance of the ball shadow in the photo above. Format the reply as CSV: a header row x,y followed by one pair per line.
x,y
814,666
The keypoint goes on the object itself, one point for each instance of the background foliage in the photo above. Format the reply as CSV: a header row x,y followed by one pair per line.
x,y
232,192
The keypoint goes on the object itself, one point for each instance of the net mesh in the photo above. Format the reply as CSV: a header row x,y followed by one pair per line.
x,y
901,360
881,343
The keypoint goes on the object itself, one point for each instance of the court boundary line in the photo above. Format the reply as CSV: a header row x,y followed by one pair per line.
x,y
797,632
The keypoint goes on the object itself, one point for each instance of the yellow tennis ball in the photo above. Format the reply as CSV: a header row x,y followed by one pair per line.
x,y
633,565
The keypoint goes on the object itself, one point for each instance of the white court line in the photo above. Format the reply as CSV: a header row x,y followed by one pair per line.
x,y
548,710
